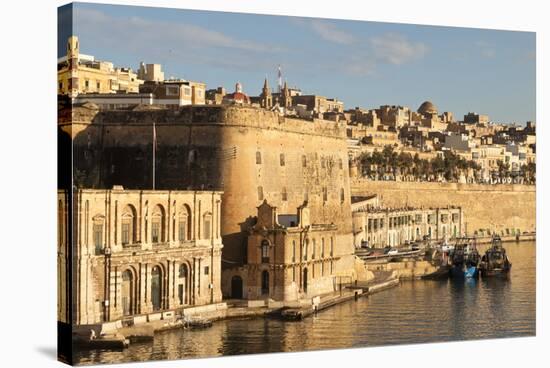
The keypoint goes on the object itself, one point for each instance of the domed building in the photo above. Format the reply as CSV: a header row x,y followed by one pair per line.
x,y
427,108
237,97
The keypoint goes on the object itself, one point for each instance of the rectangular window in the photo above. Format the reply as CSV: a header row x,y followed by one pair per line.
x,y
207,228
258,158
155,231
206,270
182,230
172,90
325,194
125,233
60,86
331,248
98,237
187,91
260,193
87,84
282,159
98,85
293,251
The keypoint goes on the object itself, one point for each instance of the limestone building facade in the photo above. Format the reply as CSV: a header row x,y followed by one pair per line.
x,y
288,258
137,254
379,227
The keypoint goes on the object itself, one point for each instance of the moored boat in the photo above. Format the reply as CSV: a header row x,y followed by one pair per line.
x,y
464,259
495,262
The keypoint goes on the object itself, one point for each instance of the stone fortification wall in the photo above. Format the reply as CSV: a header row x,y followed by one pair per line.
x,y
494,207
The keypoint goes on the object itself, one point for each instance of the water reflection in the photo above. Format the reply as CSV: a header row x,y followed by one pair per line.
x,y
414,312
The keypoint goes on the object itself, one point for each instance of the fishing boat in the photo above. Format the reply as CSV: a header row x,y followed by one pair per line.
x,y
464,259
495,261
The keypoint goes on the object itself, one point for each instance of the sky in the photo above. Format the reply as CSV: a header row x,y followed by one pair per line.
x,y
364,64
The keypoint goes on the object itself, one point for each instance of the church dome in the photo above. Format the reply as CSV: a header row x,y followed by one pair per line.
x,y
427,108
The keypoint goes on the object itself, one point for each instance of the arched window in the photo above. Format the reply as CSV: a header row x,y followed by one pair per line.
x,y
293,251
258,158
128,224
183,278
184,223
322,247
127,292
325,194
342,195
306,243
265,251
340,164
331,246
282,159
158,225
313,246
156,288
304,161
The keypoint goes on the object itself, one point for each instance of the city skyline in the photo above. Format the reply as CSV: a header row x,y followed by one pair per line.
x,y
364,64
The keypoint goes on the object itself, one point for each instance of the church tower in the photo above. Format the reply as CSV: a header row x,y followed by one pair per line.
x,y
266,99
287,99
73,54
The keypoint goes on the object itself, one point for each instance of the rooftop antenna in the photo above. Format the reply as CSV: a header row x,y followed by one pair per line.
x,y
280,79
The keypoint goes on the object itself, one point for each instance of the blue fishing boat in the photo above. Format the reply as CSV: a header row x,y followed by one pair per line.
x,y
464,259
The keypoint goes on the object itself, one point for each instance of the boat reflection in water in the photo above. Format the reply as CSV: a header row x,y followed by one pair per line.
x,y
495,261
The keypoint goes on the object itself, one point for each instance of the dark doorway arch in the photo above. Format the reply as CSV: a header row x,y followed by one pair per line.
x,y
156,288
236,287
265,282
304,281
127,293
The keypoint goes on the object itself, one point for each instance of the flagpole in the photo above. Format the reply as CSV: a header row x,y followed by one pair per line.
x,y
154,151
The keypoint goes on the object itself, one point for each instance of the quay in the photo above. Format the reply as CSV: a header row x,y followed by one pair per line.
x,y
116,336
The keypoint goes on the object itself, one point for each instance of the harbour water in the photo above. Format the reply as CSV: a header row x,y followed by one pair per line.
x,y
414,312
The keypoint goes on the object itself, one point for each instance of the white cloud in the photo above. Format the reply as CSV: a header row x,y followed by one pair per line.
x,y
396,49
330,32
146,32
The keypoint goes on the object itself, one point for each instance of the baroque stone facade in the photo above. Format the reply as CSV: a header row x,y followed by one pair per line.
x,y
136,253
288,258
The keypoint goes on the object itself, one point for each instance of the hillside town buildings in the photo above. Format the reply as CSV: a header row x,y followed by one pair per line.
x,y
79,73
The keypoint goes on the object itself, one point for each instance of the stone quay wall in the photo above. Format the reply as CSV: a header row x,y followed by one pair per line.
x,y
494,207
